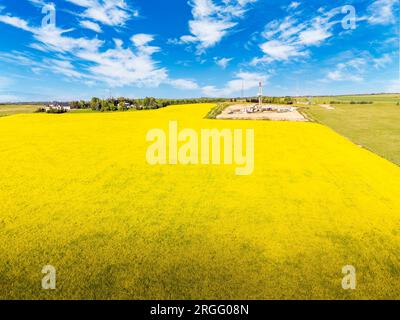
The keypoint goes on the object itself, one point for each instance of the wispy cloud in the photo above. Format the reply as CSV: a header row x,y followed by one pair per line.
x,y
184,84
382,62
58,65
126,66
91,25
212,21
142,39
351,70
63,67
223,62
353,65
108,12
382,12
118,66
38,2
242,80
291,38
293,5
16,22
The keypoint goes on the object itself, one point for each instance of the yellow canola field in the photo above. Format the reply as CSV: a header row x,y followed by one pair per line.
x,y
77,193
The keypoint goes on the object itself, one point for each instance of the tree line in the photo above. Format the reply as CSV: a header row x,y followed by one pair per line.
x,y
273,100
124,104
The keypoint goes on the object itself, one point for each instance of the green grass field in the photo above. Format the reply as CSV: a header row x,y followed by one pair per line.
x,y
380,98
374,126
10,109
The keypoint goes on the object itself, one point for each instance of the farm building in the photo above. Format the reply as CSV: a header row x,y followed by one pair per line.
x,y
58,106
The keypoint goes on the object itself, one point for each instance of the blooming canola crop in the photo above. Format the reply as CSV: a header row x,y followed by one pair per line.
x,y
77,193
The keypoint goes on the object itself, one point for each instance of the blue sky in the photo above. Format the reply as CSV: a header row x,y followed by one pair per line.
x,y
76,49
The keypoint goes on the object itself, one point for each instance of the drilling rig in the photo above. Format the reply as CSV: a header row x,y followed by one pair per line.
x,y
260,94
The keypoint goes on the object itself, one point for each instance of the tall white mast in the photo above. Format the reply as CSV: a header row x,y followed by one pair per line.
x,y
260,93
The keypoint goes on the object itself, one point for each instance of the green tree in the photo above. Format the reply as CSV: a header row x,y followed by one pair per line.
x,y
105,106
121,106
75,105
95,103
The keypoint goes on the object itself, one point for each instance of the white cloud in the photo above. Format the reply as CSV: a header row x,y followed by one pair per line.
x,y
124,66
340,75
223,62
383,61
279,50
245,80
53,39
351,70
17,57
57,66
16,22
118,66
294,5
38,2
382,12
290,38
184,84
354,65
212,22
91,25
63,67
208,32
142,39
314,36
108,12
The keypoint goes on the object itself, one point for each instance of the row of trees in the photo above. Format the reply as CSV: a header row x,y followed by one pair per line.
x,y
272,100
351,102
123,104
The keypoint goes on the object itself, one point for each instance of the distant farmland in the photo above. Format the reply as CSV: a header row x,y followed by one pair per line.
x,y
380,98
375,126
10,109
